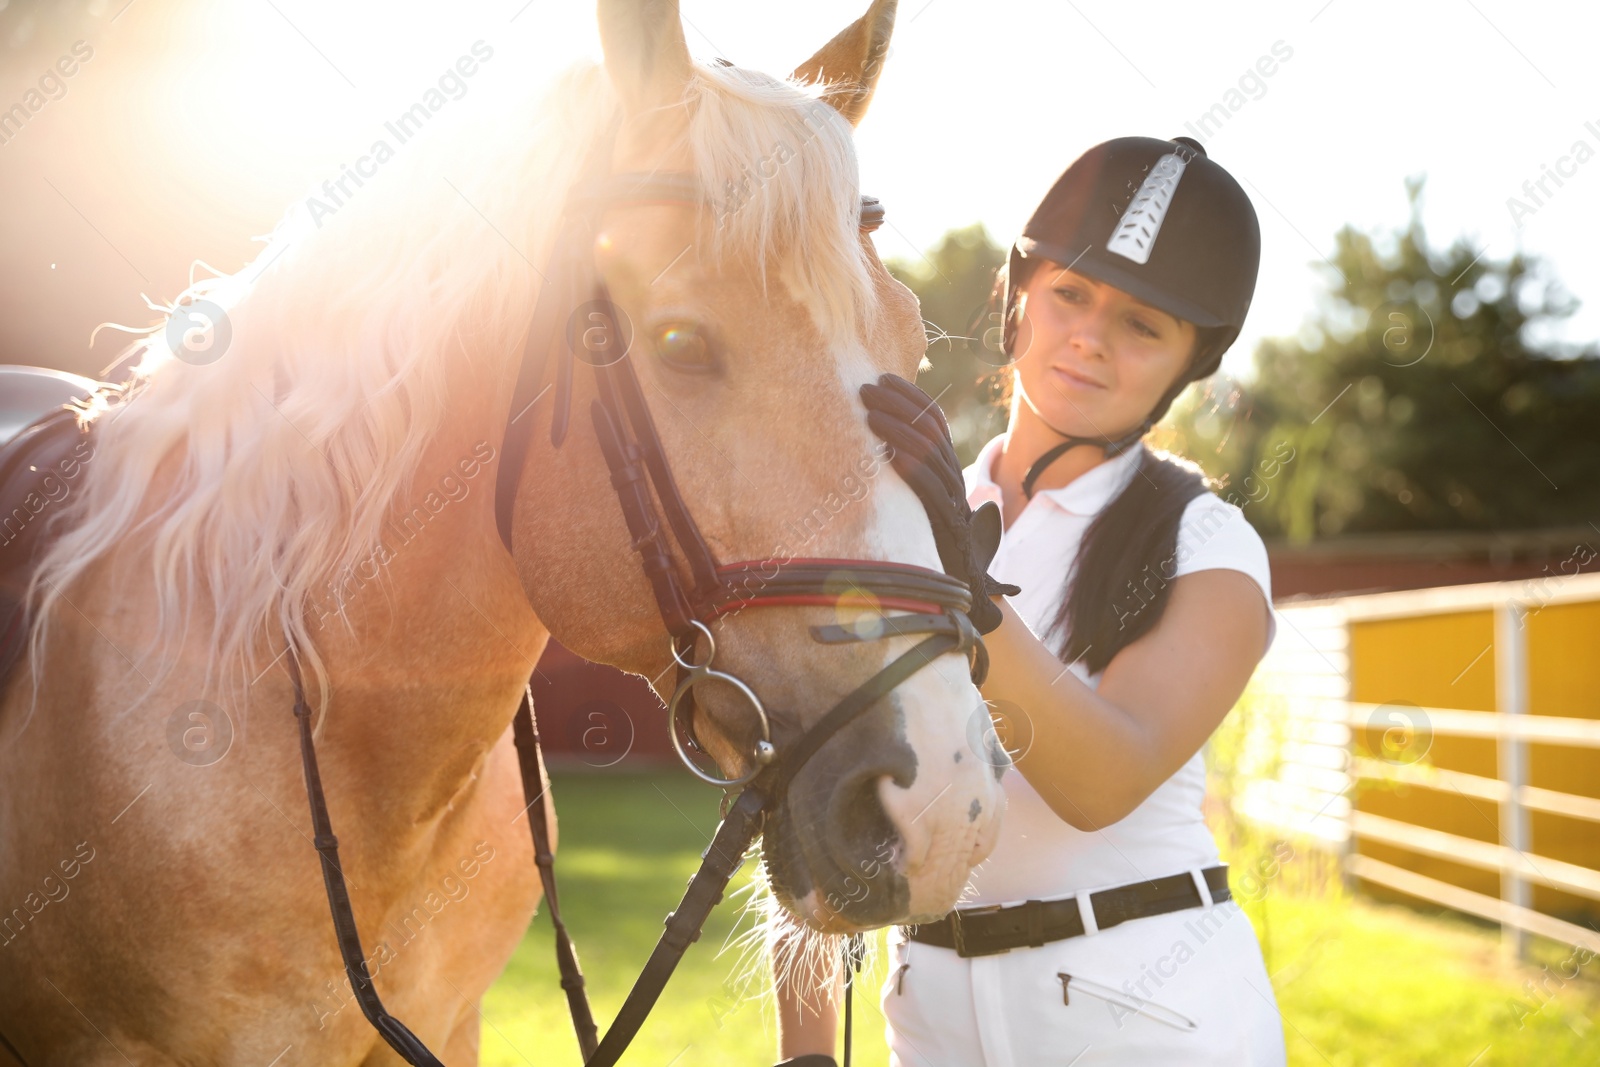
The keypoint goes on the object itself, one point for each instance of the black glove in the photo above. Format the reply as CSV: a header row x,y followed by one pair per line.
x,y
814,1059
925,457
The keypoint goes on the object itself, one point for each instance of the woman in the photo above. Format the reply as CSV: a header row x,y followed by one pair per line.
x,y
1100,931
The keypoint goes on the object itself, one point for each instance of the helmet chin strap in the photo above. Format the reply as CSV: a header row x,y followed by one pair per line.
x,y
1112,446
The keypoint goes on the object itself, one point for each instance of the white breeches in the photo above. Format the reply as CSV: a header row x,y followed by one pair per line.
x,y
1188,987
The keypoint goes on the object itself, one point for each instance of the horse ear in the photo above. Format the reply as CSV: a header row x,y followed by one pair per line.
x,y
646,55
851,62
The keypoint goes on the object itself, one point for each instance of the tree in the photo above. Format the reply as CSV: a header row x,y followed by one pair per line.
x,y
1416,398
953,282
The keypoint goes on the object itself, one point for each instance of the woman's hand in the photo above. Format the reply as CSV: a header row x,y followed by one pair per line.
x,y
1095,755
925,457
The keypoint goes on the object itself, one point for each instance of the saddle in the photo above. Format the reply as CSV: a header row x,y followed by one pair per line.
x,y
43,452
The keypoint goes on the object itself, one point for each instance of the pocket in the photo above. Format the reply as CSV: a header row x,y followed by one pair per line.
x,y
1124,1005
899,963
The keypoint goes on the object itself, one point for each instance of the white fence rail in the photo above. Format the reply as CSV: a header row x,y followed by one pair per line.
x,y
1306,785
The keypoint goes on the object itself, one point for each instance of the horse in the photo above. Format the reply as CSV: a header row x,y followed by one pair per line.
x,y
306,486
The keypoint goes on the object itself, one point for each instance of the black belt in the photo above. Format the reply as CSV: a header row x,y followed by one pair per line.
x,y
987,931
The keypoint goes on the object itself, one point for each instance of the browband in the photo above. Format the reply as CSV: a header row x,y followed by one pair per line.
x,y
671,187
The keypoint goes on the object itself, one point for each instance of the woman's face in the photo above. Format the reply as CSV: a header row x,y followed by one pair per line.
x,y
1092,360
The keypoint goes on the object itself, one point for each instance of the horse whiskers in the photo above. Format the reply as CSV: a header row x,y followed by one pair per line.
x,y
936,333
777,948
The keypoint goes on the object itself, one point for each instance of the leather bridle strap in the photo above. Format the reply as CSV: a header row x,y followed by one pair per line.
x,y
530,761
403,1041
739,829
629,479
959,635
619,381
722,859
570,262
569,272
824,582
855,952
531,764
643,481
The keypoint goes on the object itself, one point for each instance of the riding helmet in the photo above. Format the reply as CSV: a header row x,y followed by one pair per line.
x,y
1159,220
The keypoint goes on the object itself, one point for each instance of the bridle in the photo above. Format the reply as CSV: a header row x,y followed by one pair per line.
x,y
701,589
691,589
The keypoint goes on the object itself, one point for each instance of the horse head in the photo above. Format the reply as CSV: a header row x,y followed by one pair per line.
x,y
751,315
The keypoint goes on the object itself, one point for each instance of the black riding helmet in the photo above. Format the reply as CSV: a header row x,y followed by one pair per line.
x,y
1160,221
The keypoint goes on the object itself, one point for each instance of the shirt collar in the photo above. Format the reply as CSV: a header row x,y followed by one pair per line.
x,y
1085,495
981,488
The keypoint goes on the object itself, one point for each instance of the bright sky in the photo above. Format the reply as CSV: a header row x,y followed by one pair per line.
x,y
981,105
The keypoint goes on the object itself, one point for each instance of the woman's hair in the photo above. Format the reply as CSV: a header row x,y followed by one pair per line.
x,y
1118,587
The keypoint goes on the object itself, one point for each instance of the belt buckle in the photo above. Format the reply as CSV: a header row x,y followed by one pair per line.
x,y
960,937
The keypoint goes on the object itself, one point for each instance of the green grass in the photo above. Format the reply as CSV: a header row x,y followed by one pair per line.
x,y
1374,985
629,842
1359,983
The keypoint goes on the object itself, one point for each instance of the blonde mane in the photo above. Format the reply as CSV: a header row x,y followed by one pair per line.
x,y
259,480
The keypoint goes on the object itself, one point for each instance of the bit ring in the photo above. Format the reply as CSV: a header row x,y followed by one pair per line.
x,y
764,753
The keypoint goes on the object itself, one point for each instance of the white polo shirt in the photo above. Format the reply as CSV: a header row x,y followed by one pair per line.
x,y
1039,855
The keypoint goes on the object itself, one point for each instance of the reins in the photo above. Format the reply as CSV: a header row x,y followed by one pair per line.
x,y
395,1032
691,589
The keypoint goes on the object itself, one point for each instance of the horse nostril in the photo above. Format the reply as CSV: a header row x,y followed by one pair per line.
x,y
860,831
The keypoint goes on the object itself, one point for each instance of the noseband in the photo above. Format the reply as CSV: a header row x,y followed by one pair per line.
x,y
691,591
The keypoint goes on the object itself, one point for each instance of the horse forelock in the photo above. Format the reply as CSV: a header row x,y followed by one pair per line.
x,y
780,168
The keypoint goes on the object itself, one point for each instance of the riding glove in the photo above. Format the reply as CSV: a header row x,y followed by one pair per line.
x,y
925,457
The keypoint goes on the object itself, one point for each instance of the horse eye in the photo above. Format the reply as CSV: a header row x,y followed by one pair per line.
x,y
683,347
